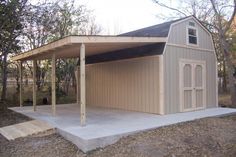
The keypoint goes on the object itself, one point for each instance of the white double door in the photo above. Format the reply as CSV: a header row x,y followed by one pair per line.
x,y
192,84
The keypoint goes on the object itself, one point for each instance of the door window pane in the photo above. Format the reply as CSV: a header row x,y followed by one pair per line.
x,y
198,76
187,75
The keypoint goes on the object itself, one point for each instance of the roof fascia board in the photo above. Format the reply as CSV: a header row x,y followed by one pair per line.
x,y
87,39
42,49
116,39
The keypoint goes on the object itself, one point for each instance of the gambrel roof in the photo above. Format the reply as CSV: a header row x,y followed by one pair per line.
x,y
159,30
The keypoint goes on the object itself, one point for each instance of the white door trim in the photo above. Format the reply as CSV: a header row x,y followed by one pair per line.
x,y
193,63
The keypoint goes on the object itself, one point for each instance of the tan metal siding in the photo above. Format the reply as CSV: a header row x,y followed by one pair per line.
x,y
171,75
130,84
178,35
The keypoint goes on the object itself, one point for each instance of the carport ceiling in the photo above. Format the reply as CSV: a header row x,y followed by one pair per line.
x,y
69,47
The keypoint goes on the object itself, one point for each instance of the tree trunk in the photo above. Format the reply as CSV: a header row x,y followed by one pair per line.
x,y
4,77
230,66
74,82
232,81
224,85
38,75
219,67
17,81
26,79
225,48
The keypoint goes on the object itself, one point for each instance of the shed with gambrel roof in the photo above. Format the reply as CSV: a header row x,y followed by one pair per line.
x,y
162,69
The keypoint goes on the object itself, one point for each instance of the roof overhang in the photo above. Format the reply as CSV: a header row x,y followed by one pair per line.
x,y
69,47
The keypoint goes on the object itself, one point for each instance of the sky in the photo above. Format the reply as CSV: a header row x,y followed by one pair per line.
x,y
119,16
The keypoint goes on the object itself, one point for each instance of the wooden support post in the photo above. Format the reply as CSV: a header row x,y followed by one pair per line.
x,y
82,86
21,83
77,75
34,84
53,84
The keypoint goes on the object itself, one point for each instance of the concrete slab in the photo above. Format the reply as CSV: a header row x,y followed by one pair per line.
x,y
106,126
24,129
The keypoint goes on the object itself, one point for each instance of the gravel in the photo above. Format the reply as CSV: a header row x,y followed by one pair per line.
x,y
209,137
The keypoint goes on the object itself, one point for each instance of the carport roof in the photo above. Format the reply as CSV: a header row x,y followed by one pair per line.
x,y
69,47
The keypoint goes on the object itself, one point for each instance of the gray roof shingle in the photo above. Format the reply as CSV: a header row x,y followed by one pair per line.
x,y
160,30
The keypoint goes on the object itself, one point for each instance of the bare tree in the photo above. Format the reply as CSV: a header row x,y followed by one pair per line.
x,y
222,28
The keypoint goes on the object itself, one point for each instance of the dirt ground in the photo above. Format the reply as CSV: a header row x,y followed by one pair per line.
x,y
8,117
208,137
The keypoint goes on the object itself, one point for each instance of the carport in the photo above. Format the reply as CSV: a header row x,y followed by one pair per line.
x,y
81,47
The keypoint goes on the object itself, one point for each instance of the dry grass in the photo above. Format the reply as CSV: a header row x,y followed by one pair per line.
x,y
13,96
224,100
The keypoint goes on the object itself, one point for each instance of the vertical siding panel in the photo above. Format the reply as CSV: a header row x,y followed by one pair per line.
x,y
115,86
122,89
151,85
129,96
149,74
139,89
166,78
132,89
144,81
135,100
99,79
94,86
126,84
126,88
172,55
97,88
150,88
146,87
109,85
172,81
103,87
139,84
156,85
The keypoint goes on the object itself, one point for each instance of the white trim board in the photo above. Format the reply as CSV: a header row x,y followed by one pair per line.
x,y
189,47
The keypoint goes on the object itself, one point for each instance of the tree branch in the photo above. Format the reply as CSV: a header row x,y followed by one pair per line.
x,y
171,8
218,16
231,18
